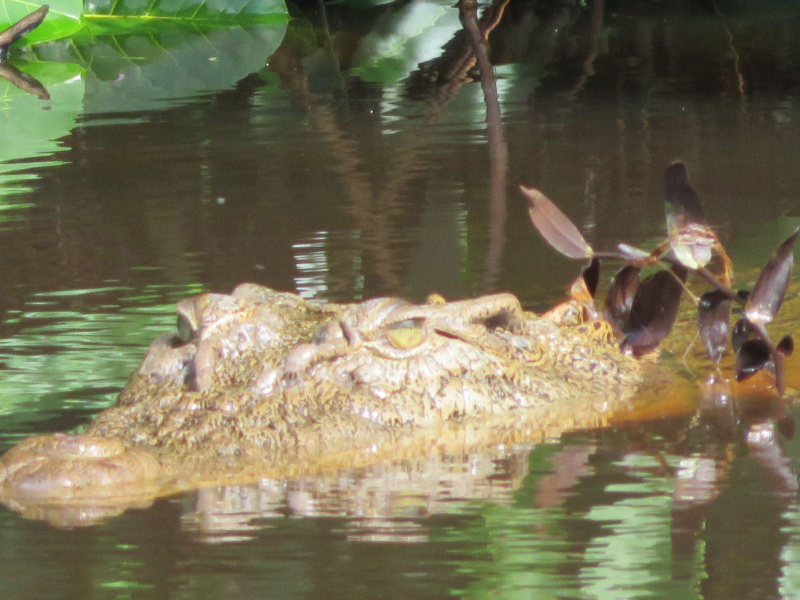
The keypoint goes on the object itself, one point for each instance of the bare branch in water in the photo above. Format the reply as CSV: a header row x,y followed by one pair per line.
x,y
498,150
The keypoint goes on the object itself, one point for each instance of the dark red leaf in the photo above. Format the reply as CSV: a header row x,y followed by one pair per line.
x,y
786,426
740,334
785,346
683,203
690,237
591,276
22,27
767,295
620,296
714,321
654,309
752,356
584,287
554,226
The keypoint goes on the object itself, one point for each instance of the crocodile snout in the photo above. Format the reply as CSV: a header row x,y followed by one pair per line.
x,y
60,468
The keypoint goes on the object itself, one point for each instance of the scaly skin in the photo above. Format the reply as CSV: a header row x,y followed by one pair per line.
x,y
269,379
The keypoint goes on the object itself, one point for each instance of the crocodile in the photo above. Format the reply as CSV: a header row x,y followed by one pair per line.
x,y
264,382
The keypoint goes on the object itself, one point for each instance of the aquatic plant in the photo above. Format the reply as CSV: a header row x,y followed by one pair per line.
x,y
643,310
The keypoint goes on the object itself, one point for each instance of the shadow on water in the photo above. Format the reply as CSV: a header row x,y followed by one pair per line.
x,y
348,155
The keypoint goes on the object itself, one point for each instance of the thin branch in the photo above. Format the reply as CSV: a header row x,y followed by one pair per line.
x,y
498,150
703,272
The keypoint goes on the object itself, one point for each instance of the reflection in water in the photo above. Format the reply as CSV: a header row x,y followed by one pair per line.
x,y
344,174
383,503
312,265
23,81
32,123
498,149
131,73
635,516
63,354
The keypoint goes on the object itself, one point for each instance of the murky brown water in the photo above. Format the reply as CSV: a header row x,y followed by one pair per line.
x,y
329,163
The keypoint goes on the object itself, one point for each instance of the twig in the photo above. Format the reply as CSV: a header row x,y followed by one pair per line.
x,y
709,277
704,273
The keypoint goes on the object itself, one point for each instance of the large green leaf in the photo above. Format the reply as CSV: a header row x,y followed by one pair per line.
x,y
234,11
63,19
67,17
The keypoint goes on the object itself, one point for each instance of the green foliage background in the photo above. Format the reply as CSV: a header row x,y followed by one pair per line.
x,y
69,17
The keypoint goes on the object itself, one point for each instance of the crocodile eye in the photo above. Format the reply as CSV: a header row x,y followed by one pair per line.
x,y
185,330
406,334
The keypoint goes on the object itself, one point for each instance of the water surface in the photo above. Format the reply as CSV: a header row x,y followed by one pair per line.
x,y
339,157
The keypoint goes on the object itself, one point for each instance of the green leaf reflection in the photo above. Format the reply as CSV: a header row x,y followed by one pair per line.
x,y
145,72
609,543
31,127
403,39
117,74
65,356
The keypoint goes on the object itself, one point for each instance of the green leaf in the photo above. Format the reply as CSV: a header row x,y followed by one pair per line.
x,y
67,17
218,12
63,20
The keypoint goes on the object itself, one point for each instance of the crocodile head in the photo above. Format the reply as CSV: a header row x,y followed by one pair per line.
x,y
281,382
